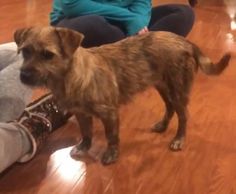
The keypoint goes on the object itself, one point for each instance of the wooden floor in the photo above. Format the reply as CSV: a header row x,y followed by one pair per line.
x,y
207,165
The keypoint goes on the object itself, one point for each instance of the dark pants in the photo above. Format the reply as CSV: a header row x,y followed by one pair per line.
x,y
174,18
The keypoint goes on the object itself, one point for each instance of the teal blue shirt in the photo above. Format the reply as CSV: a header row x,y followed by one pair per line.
x,y
133,15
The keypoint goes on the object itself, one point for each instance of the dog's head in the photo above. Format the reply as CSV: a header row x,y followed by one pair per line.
x,y
47,52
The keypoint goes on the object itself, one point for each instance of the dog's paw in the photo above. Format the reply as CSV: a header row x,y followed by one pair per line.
x,y
159,127
80,149
110,155
177,144
75,152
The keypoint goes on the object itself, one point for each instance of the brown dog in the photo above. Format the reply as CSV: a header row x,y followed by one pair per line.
x,y
95,81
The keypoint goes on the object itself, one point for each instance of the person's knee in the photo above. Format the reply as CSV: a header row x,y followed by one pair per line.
x,y
188,17
82,23
96,29
176,18
187,13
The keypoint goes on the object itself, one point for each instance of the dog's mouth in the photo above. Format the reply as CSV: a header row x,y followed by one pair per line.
x,y
30,77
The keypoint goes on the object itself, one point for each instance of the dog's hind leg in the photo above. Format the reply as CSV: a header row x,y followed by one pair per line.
x,y
181,87
178,141
111,124
85,123
162,125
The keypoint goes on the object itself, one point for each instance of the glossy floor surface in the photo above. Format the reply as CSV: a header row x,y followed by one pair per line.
x,y
207,164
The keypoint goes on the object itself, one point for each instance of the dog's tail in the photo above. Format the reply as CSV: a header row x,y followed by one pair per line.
x,y
206,64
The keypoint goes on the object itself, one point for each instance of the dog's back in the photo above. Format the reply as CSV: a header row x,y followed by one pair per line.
x,y
146,60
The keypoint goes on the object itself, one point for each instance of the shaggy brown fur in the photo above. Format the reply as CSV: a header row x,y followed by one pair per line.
x,y
96,81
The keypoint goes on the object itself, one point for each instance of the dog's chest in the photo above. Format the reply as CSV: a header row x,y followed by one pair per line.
x,y
77,105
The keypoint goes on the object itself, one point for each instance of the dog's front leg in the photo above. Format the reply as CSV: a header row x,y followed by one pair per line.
x,y
85,123
111,124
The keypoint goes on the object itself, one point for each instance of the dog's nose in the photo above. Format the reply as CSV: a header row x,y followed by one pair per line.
x,y
26,77
25,74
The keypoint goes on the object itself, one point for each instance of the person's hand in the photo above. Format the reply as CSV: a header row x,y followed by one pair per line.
x,y
142,31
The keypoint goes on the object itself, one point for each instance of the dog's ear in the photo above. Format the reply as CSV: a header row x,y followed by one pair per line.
x,y
70,40
20,35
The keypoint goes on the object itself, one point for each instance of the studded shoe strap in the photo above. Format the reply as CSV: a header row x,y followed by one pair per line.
x,y
36,140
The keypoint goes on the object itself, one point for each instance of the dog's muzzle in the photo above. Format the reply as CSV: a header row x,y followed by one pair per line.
x,y
29,77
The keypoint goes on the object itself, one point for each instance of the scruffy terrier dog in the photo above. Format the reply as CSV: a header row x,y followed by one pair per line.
x,y
96,81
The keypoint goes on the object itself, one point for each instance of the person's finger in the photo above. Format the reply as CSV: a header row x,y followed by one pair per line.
x,y
141,32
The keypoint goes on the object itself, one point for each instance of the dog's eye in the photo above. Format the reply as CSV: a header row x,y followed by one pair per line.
x,y
26,52
47,54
